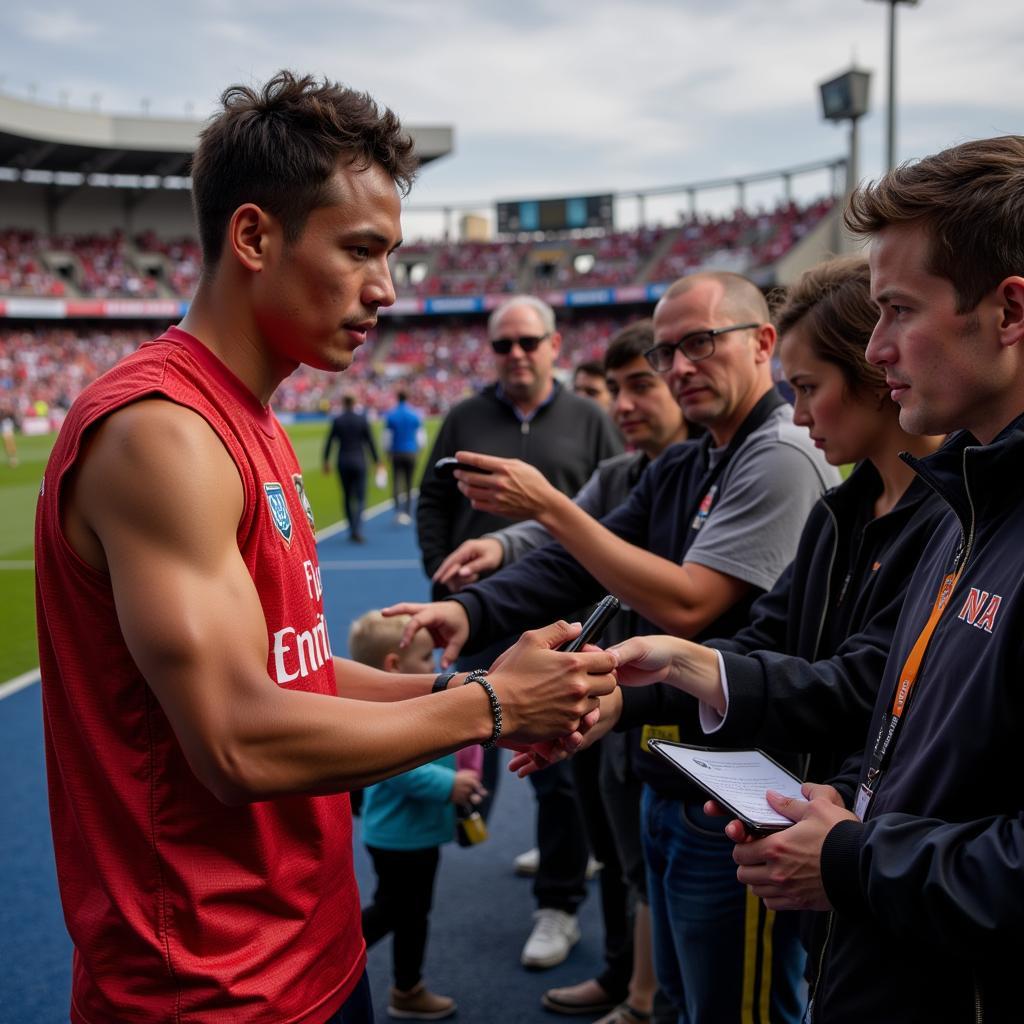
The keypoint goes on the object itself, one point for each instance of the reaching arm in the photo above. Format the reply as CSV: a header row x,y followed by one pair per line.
x,y
681,599
203,647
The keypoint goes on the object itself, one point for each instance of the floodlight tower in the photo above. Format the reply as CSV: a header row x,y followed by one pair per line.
x,y
890,137
845,98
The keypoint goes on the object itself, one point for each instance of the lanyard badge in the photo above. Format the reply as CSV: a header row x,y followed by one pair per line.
x,y
908,679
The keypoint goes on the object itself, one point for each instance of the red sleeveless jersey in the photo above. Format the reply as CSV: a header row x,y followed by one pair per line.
x,y
180,908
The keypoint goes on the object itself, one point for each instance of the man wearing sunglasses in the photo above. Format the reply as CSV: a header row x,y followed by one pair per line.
x,y
707,528
526,414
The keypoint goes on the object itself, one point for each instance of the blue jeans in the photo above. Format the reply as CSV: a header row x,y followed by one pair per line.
x,y
358,1008
719,955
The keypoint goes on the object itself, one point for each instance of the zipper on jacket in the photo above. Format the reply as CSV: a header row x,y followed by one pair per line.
x,y
979,1006
821,968
828,581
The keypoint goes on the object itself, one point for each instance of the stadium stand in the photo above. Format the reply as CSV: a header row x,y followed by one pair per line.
x,y
93,264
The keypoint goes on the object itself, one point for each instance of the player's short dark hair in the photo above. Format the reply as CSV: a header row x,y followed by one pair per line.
x,y
278,147
832,301
628,344
969,199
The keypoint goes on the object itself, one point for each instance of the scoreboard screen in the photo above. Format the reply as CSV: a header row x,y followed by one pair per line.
x,y
556,214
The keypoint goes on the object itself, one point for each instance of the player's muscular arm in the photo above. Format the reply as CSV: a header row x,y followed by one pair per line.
x,y
681,599
162,499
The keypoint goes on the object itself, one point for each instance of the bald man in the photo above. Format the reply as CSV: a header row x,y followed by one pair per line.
x,y
708,527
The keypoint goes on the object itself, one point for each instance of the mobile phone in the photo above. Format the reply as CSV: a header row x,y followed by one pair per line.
x,y
594,626
445,467
736,779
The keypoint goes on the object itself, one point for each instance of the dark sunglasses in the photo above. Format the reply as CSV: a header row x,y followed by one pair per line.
x,y
696,345
527,342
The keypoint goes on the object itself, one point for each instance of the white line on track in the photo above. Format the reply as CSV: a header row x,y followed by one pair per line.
x,y
12,686
12,565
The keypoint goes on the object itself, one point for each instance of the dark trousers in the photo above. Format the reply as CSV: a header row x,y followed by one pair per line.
x,y
353,493
401,906
593,794
358,1008
402,466
561,876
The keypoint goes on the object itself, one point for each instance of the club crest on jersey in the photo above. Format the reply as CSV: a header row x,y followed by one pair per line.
x,y
300,490
279,510
705,508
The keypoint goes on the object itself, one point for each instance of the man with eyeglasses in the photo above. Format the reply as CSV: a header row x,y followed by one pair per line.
x,y
708,528
526,414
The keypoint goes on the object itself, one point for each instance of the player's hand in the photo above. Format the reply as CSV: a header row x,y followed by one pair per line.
x,y
512,488
446,621
468,562
545,693
466,789
784,869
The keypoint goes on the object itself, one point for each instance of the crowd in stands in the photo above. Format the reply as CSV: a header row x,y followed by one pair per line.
x,y
115,267
743,240
22,271
47,367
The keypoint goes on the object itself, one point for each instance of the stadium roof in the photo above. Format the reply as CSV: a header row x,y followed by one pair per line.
x,y
36,137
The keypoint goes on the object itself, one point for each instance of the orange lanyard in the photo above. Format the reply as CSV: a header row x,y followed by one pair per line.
x,y
908,679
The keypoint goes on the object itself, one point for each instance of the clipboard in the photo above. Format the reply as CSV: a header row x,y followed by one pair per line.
x,y
736,779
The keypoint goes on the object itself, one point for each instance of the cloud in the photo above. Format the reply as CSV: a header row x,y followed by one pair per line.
x,y
559,97
57,27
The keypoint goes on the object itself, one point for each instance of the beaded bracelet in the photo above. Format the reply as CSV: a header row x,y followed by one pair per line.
x,y
479,675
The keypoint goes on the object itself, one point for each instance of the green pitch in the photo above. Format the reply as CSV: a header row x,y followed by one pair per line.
x,y
20,485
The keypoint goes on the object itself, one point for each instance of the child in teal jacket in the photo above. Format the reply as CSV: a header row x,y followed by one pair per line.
x,y
405,821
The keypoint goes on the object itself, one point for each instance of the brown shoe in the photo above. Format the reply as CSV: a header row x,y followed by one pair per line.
x,y
419,1004
586,998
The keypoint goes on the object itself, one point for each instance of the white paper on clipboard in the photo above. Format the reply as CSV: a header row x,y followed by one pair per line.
x,y
739,778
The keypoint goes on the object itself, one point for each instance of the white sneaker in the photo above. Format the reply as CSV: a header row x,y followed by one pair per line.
x,y
404,519
594,867
527,864
554,934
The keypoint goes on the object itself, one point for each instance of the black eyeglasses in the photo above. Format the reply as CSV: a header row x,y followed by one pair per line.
x,y
696,345
527,342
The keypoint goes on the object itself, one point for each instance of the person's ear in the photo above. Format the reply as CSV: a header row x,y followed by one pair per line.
x,y
391,662
252,235
1011,297
765,337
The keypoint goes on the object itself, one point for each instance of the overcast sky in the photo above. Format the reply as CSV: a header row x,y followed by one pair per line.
x,y
554,98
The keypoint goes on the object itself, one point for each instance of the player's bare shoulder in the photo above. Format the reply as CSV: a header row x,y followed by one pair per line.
x,y
153,468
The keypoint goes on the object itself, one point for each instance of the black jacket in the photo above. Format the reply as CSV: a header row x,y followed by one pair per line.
x,y
804,674
565,440
929,889
351,433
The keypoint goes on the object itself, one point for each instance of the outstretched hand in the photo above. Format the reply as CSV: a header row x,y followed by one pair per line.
x,y
468,562
510,488
445,621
